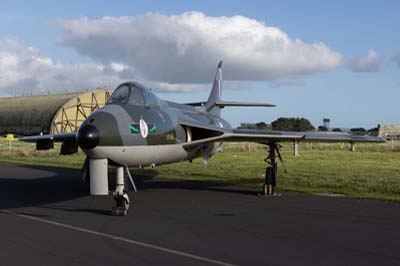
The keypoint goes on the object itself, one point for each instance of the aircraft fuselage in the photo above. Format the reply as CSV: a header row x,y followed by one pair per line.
x,y
139,136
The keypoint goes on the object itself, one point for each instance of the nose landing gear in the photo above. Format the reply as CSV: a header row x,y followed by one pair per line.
x,y
122,205
120,195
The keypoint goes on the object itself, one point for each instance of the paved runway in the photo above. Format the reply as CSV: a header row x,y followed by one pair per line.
x,y
47,218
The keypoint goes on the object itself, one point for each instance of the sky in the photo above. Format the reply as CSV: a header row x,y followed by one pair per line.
x,y
313,59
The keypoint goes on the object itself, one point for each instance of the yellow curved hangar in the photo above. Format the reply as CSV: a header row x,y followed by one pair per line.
x,y
48,114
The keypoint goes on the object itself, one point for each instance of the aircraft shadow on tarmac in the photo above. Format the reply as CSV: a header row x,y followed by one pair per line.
x,y
147,182
25,186
28,186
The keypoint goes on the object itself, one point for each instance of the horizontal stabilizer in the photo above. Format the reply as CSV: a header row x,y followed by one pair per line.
x,y
223,104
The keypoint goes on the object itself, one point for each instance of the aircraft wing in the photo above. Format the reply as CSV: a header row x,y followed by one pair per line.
x,y
263,136
46,142
53,137
244,134
342,137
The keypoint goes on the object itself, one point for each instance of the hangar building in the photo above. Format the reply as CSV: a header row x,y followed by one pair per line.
x,y
54,113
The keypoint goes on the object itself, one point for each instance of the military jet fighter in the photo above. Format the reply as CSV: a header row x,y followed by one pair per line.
x,y
137,129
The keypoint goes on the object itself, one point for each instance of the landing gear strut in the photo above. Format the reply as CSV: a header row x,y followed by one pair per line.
x,y
271,172
120,196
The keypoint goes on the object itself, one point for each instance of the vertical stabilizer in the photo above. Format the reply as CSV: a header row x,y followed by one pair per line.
x,y
215,95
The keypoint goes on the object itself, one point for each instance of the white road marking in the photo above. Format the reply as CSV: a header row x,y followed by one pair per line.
x,y
122,239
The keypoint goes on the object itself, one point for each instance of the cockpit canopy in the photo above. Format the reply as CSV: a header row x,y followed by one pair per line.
x,y
133,93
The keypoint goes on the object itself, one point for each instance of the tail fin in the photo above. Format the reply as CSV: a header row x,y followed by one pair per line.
x,y
215,95
214,103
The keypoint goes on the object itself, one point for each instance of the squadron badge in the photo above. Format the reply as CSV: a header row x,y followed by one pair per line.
x,y
144,130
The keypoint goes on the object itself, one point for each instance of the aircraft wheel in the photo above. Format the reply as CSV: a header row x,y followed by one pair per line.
x,y
122,205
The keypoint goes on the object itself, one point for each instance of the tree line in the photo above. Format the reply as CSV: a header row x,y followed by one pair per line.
x,y
283,123
300,125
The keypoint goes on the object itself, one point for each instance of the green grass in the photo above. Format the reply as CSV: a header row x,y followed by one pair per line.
x,y
371,172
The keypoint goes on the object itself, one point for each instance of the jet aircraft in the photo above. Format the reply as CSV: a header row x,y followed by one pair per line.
x,y
137,129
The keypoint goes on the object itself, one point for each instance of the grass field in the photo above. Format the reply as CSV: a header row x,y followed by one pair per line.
x,y
373,171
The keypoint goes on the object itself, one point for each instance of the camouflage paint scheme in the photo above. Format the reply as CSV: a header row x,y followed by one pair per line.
x,y
120,137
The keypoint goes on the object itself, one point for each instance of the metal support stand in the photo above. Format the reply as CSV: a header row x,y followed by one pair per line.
x,y
131,179
120,196
271,172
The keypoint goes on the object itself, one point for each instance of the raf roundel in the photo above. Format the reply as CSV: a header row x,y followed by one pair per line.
x,y
144,130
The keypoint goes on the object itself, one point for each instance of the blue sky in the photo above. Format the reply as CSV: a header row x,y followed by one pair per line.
x,y
350,98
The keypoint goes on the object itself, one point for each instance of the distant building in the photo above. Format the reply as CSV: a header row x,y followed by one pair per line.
x,y
326,122
389,131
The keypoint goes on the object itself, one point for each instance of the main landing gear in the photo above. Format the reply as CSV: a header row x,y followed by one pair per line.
x,y
271,172
120,195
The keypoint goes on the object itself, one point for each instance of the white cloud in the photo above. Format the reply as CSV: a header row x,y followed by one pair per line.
x,y
167,53
396,58
174,87
25,70
371,62
185,48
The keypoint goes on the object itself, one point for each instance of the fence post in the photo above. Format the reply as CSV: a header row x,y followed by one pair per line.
x,y
296,147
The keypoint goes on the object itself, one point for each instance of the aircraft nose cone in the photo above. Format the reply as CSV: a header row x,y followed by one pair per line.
x,y
88,137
